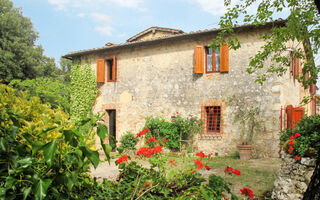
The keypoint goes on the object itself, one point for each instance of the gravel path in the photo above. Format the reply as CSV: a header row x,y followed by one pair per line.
x,y
106,170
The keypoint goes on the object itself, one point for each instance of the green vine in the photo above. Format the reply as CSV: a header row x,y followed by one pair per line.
x,y
83,90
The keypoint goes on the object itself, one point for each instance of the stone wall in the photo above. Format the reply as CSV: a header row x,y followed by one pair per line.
x,y
157,80
293,178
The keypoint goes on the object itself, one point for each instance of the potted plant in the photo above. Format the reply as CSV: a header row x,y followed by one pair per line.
x,y
247,115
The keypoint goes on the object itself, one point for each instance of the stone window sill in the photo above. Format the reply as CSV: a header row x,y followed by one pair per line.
x,y
214,136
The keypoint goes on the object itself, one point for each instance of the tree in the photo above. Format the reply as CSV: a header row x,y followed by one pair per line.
x,y
20,58
302,30
55,92
65,65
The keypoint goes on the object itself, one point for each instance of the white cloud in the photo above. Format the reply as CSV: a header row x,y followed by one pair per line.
x,y
104,30
129,3
67,4
215,7
101,18
61,4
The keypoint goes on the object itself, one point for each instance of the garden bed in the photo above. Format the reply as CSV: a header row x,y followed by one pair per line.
x,y
257,174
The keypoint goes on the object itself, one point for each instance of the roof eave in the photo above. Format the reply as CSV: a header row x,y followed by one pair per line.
x,y
72,55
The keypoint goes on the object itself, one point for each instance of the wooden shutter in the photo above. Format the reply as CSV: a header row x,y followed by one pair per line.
x,y
297,115
297,68
198,59
100,71
114,68
289,116
224,57
292,63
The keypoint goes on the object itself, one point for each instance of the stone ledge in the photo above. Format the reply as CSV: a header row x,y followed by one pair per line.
x,y
293,178
210,137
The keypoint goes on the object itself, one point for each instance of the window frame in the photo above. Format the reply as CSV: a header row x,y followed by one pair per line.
x,y
110,65
216,126
206,49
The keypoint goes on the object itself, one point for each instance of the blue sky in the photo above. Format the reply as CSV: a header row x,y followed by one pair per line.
x,y
70,25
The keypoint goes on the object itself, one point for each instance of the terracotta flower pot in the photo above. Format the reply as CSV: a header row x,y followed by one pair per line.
x,y
245,151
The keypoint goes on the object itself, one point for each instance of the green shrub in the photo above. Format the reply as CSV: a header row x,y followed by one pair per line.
x,y
308,144
50,91
162,129
42,154
128,142
161,182
285,135
174,131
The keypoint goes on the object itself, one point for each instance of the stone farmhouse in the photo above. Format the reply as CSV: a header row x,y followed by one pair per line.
x,y
161,71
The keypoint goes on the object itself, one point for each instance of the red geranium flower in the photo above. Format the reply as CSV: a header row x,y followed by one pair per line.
x,y
290,150
156,149
199,163
297,135
173,162
153,139
191,119
164,140
297,158
201,154
236,172
122,159
247,192
146,183
228,170
207,167
292,137
146,130
144,151
173,117
291,142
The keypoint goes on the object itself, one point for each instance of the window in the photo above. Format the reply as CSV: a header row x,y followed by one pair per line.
x,y
213,60
213,119
111,67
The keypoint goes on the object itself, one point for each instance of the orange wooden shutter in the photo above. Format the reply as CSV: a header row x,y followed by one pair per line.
x,y
198,59
224,57
289,116
114,68
100,70
297,66
297,115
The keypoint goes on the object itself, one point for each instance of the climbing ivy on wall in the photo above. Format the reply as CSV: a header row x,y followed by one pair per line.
x,y
83,90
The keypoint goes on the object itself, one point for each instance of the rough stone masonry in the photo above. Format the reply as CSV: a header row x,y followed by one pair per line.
x,y
293,178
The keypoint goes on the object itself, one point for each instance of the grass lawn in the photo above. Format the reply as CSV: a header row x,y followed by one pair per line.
x,y
258,174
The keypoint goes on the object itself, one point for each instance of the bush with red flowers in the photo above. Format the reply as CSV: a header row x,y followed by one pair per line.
x,y
159,182
247,192
304,140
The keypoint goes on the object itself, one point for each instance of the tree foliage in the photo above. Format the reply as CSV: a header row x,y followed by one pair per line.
x,y
51,91
301,33
43,155
20,58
